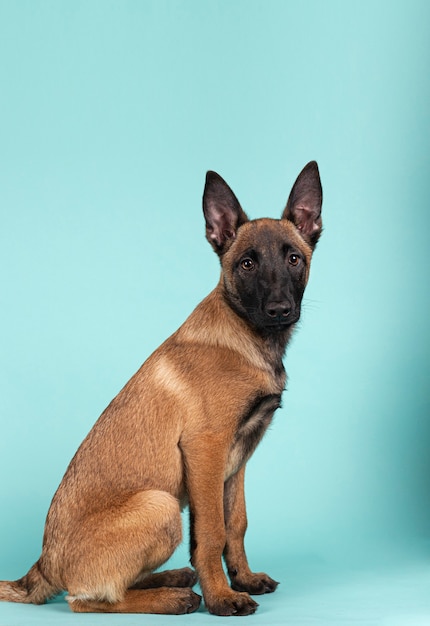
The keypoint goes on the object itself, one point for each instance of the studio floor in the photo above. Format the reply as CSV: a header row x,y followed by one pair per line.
x,y
311,594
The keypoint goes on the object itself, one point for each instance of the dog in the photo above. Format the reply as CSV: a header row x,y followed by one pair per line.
x,y
181,432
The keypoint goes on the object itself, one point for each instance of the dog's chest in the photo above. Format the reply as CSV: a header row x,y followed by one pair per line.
x,y
252,426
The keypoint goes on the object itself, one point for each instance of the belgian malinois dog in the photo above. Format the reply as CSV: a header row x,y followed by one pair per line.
x,y
181,432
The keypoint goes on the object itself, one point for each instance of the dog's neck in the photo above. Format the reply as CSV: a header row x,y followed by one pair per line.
x,y
262,350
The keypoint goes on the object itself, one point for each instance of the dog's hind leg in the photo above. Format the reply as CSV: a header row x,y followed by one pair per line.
x,y
114,547
185,577
164,600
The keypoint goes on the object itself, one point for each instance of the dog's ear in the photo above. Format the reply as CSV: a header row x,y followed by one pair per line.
x,y
304,204
222,211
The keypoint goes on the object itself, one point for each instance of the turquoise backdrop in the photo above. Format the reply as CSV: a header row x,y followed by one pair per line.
x,y
110,114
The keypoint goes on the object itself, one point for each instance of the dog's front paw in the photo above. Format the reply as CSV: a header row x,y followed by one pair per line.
x,y
255,584
232,604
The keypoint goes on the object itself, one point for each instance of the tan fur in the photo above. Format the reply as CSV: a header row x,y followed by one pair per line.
x,y
174,435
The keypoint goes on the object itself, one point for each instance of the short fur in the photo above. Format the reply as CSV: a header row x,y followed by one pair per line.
x,y
181,431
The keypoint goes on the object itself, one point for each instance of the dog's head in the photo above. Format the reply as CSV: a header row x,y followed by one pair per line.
x,y
265,262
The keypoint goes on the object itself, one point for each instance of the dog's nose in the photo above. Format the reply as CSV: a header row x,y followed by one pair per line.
x,y
278,310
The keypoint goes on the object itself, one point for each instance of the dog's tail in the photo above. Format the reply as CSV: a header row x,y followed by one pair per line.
x,y
31,588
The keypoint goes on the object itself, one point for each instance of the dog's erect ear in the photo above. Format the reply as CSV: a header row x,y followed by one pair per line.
x,y
304,204
222,211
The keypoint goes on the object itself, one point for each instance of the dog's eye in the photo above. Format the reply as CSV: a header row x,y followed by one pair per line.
x,y
293,259
247,264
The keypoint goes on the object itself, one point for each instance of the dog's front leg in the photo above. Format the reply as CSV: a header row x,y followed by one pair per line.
x,y
205,459
242,579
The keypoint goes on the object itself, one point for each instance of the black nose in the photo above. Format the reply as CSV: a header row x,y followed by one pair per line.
x,y
278,310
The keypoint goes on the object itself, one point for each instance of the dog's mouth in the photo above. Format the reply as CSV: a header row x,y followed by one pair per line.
x,y
279,326
276,326
264,322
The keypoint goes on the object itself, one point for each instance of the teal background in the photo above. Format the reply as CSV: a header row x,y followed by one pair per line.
x,y
110,115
